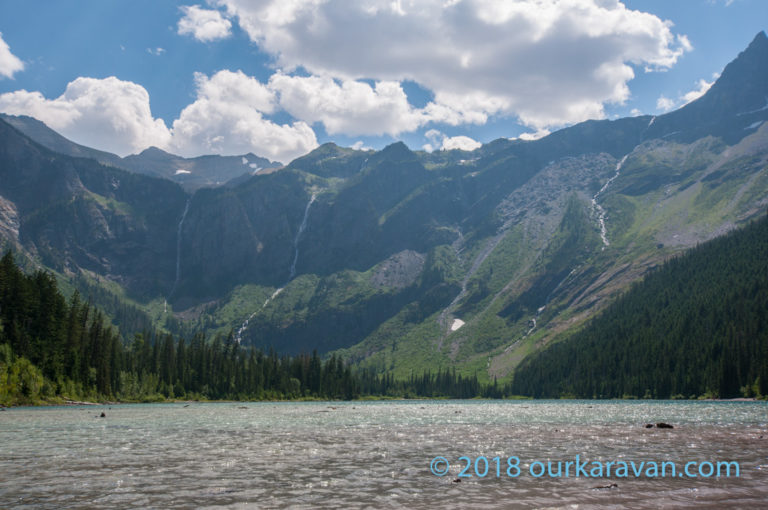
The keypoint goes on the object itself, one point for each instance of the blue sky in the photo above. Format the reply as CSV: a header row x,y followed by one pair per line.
x,y
278,78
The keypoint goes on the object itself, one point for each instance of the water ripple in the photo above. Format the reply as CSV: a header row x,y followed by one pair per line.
x,y
371,455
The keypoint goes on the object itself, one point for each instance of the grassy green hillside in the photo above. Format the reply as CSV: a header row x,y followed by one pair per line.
x,y
696,326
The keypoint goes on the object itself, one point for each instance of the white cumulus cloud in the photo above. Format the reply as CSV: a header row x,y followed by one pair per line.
x,y
204,24
547,62
109,114
227,117
665,104
448,143
350,107
460,142
9,63
702,86
360,146
541,133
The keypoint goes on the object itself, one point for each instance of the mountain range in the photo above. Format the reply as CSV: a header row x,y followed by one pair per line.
x,y
397,260
190,173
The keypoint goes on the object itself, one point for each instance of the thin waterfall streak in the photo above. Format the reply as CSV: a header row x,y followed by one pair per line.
x,y
599,209
178,247
296,239
244,325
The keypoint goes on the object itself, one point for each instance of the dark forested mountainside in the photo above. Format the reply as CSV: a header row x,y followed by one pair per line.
x,y
698,325
74,214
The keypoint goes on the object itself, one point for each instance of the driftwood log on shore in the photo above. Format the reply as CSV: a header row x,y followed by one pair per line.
x,y
80,403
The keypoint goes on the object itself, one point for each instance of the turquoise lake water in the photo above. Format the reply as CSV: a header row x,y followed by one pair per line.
x,y
378,455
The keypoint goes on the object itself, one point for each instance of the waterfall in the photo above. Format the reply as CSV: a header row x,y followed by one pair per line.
x,y
532,324
296,239
178,248
244,325
599,209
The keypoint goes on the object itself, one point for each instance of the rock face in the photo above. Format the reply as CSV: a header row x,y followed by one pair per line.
x,y
517,241
399,271
9,222
79,214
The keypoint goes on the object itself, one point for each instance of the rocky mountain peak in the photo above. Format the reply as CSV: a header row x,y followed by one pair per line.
x,y
155,153
746,77
735,104
396,152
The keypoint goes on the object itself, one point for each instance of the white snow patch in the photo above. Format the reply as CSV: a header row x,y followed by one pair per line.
x,y
245,160
754,125
181,171
457,323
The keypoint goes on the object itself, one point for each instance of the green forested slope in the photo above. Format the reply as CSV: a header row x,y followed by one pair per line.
x,y
51,349
696,326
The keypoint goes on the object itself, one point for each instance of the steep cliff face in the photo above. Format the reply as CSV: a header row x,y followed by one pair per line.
x,y
78,214
241,235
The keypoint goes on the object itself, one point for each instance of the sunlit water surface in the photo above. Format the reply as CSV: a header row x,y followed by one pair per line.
x,y
374,454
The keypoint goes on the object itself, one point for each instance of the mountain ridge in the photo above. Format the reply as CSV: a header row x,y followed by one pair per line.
x,y
399,259
191,173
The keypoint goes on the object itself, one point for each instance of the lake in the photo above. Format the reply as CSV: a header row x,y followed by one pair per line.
x,y
380,455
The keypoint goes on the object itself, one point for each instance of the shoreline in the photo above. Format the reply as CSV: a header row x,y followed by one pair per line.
x,y
86,403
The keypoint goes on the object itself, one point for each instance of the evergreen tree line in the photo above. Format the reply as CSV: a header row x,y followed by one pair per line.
x,y
54,347
443,383
697,326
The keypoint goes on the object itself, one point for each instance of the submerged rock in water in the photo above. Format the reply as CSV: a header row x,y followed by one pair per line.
x,y
660,425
